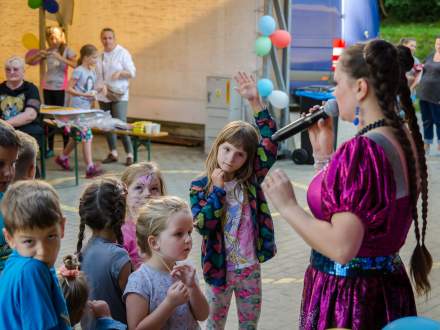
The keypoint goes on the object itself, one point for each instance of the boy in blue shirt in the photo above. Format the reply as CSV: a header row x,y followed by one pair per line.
x,y
9,145
30,293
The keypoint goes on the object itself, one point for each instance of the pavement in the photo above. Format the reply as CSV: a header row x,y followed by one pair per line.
x,y
283,275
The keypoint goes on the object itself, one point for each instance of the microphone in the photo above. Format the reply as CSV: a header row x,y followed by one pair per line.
x,y
330,109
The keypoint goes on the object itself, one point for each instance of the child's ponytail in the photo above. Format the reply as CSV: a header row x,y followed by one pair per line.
x,y
74,286
86,50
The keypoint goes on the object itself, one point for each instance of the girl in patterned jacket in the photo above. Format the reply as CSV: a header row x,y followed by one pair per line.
x,y
231,213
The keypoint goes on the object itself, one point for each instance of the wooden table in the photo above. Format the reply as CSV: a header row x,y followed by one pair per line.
x,y
138,139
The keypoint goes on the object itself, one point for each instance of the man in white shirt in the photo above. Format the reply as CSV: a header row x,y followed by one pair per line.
x,y
114,69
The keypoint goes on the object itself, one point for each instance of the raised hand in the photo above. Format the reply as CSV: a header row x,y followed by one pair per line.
x,y
246,86
278,188
186,274
177,294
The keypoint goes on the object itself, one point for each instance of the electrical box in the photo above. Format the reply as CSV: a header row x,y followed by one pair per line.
x,y
223,105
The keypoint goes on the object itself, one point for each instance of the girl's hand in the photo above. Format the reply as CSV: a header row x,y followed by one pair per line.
x,y
102,89
56,55
91,94
278,188
186,274
321,136
99,308
218,178
177,294
247,86
43,53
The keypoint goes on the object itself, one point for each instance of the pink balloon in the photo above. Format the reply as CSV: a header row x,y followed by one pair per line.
x,y
31,53
281,38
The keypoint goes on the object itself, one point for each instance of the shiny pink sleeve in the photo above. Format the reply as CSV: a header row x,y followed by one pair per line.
x,y
359,179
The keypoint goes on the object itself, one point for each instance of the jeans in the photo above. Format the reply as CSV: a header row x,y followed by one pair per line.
x,y
117,110
430,117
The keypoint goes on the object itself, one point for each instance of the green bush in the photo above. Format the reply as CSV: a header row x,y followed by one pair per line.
x,y
413,10
424,33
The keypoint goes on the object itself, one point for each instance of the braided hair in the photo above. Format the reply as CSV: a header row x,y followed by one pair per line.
x,y
421,258
102,206
377,61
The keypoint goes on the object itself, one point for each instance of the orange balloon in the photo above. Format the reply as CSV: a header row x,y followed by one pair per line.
x,y
281,38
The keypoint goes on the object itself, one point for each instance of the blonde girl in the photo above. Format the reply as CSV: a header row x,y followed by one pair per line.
x,y
143,181
231,213
82,88
59,57
161,294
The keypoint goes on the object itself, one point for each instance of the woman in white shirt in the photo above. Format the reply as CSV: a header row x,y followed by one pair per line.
x,y
115,68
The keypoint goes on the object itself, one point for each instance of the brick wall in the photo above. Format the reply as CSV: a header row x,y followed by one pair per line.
x,y
175,44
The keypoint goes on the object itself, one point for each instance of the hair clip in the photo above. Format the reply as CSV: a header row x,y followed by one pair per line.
x,y
70,267
69,273
145,179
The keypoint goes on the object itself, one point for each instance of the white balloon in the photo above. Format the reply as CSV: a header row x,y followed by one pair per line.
x,y
279,99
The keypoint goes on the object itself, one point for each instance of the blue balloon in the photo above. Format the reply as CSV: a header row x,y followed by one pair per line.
x,y
51,6
266,25
265,87
413,323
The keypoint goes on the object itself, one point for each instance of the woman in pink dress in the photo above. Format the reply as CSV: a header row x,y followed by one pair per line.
x,y
363,199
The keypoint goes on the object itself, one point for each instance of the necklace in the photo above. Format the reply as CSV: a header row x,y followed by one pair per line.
x,y
369,127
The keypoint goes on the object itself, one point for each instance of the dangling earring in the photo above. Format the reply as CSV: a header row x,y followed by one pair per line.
x,y
356,116
402,114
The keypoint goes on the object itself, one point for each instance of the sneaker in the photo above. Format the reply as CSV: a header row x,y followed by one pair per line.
x,y
110,159
94,171
49,153
64,163
129,161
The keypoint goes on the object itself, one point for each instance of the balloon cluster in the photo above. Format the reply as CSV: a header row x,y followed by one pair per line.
x,y
30,42
51,6
263,44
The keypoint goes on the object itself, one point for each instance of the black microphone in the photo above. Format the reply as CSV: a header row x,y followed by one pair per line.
x,y
330,109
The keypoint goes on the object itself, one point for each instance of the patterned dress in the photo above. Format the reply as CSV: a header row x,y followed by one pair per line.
x,y
365,177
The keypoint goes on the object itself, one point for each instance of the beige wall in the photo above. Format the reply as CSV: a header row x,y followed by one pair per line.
x,y
175,44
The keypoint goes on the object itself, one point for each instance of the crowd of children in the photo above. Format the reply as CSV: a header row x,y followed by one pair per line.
x,y
132,271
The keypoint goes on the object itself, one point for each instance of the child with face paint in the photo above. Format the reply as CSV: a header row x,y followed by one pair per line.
x,y
143,181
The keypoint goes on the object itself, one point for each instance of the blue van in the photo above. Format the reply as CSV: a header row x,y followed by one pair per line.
x,y
320,29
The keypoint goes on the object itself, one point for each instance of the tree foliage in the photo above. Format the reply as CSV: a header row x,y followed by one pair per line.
x,y
413,10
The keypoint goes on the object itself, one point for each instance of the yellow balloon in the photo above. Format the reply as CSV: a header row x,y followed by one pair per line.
x,y
337,329
30,41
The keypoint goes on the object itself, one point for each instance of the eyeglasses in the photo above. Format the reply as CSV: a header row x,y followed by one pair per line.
x,y
12,69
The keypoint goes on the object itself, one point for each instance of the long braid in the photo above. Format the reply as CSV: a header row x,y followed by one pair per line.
x,y
384,77
421,259
82,228
117,204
